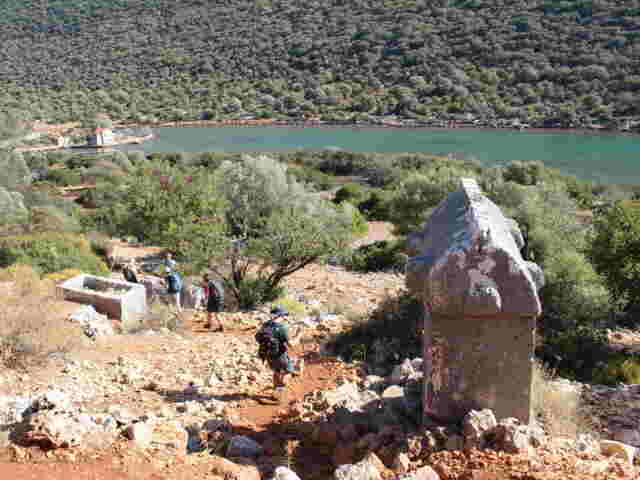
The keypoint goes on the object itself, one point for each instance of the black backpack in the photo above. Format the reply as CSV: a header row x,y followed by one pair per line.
x,y
216,292
175,283
270,346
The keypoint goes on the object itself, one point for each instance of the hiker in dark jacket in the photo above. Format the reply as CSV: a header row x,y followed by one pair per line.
x,y
214,294
273,341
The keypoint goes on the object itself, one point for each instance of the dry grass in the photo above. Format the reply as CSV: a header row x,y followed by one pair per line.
x,y
559,408
30,329
161,315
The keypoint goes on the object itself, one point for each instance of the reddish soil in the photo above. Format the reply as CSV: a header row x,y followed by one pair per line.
x,y
274,423
263,417
68,471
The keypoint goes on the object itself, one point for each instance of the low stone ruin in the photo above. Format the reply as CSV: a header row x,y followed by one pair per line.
x,y
117,299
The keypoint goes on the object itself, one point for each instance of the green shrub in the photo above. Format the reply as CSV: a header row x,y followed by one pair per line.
x,y
36,161
581,191
256,291
377,257
136,157
415,161
615,251
99,243
382,176
377,205
51,252
525,173
312,176
64,177
81,161
573,293
620,368
291,305
121,160
413,199
352,193
575,353
211,160
58,157
106,192
101,173
359,225
343,163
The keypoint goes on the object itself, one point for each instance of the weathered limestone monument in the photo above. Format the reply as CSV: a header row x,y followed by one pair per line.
x,y
481,303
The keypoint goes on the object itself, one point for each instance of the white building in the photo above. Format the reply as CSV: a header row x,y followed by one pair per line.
x,y
100,136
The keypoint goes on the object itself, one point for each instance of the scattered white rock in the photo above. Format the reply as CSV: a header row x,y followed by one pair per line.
x,y
13,408
283,473
364,470
140,433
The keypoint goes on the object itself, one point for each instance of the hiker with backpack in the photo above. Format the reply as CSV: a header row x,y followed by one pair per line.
x,y
169,263
273,342
130,271
214,294
174,287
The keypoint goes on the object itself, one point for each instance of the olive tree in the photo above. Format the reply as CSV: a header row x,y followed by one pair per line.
x,y
414,198
178,209
248,221
274,227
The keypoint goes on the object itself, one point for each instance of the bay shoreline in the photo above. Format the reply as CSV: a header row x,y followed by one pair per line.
x,y
374,126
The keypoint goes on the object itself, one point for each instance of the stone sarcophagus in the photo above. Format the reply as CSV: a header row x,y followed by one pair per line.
x,y
481,303
117,299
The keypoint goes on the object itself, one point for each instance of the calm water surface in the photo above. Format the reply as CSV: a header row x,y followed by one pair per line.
x,y
603,158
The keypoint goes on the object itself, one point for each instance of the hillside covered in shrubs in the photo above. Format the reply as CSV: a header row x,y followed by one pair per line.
x,y
226,212
546,62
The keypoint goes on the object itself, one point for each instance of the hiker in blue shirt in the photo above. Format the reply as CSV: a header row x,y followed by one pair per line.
x,y
169,263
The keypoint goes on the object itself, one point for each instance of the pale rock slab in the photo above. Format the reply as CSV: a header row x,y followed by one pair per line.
x,y
611,448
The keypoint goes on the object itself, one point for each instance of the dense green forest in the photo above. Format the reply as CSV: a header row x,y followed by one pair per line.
x,y
546,62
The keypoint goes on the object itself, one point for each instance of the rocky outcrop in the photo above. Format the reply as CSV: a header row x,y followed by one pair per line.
x,y
241,446
62,429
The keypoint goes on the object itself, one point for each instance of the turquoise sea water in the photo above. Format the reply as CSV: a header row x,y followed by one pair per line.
x,y
602,158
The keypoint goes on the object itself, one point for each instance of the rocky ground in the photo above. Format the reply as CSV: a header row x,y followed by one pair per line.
x,y
194,404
